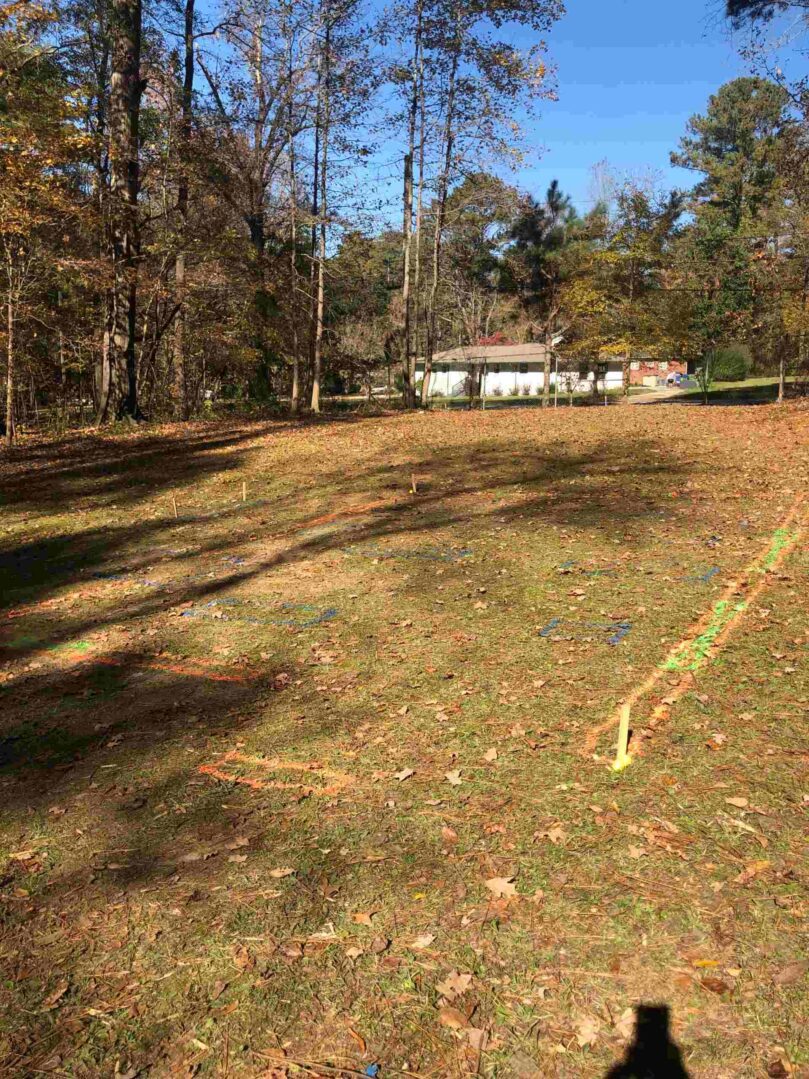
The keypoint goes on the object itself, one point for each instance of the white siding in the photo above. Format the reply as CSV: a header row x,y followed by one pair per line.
x,y
448,380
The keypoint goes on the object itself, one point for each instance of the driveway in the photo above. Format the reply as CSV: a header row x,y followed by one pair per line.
x,y
653,396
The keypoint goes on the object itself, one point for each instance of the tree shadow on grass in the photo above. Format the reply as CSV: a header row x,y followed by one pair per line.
x,y
113,743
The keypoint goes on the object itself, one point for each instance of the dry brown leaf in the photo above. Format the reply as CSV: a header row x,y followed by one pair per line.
x,y
454,778
353,952
454,985
405,773
502,887
587,1031
490,755
715,985
751,871
282,871
449,835
740,803
52,999
423,941
477,1038
362,917
452,1018
378,945
242,958
625,1024
792,973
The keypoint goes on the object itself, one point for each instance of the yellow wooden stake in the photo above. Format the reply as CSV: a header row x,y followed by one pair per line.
x,y
244,490
622,757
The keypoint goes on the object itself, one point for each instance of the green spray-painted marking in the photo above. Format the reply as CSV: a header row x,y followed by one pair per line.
x,y
33,642
782,538
693,653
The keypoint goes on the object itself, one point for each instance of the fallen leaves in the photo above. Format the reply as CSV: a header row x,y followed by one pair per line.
x,y
587,1031
424,940
453,778
556,834
405,773
502,887
454,985
282,871
362,917
53,998
490,755
715,985
452,1018
792,973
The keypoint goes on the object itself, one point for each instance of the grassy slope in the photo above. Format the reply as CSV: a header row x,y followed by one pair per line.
x,y
143,925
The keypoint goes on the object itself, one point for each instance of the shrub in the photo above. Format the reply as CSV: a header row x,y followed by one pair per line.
x,y
525,389
497,391
732,363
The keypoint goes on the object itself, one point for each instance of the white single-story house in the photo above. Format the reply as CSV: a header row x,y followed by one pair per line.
x,y
510,370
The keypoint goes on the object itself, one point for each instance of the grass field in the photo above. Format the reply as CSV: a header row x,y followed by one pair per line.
x,y
305,772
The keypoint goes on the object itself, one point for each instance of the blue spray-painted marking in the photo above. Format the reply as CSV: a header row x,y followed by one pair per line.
x,y
583,630
427,554
703,578
609,571
316,615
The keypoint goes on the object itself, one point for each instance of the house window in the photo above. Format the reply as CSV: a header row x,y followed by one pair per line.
x,y
496,369
635,365
523,368
664,365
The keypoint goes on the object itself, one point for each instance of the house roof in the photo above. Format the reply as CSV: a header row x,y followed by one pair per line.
x,y
531,351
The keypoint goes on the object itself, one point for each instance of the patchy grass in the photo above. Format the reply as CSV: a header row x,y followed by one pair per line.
x,y
281,736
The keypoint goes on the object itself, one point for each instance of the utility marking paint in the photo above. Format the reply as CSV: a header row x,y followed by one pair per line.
x,y
584,630
709,634
339,780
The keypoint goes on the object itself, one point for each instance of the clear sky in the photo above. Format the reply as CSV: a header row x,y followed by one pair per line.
x,y
630,73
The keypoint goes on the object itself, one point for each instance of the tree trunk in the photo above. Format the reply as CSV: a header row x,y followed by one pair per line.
x,y
408,370
408,388
321,261
295,398
625,372
179,339
425,382
124,115
10,387
313,249
546,369
441,202
104,371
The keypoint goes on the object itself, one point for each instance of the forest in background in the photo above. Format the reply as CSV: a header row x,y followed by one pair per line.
x,y
189,214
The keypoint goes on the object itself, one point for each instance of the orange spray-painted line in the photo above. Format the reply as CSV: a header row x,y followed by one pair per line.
x,y
351,511
741,594
190,670
339,780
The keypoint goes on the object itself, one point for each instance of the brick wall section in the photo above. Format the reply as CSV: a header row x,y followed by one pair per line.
x,y
655,369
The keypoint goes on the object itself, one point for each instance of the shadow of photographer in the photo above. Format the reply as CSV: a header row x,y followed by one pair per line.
x,y
652,1054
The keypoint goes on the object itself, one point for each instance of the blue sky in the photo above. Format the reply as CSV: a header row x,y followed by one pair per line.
x,y
630,73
